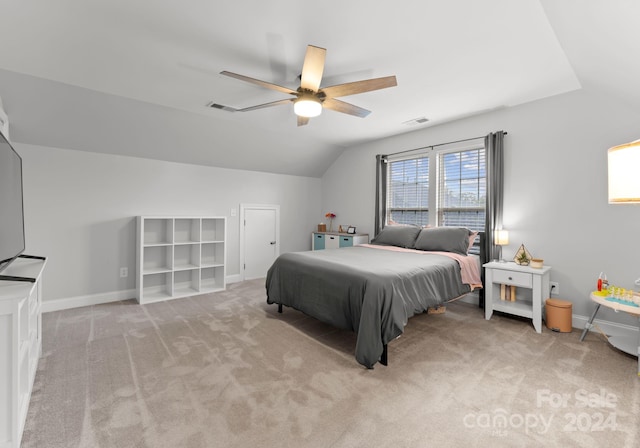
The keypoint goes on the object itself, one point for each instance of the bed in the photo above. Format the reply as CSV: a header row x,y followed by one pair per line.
x,y
374,289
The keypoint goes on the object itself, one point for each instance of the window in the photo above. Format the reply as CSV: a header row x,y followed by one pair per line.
x,y
440,187
408,191
462,189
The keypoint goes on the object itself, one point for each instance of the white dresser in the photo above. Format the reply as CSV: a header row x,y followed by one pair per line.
x,y
331,240
20,345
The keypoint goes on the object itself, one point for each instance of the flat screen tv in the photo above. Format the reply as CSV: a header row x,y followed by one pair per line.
x,y
12,242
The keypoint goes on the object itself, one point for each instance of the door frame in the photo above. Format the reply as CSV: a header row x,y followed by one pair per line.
x,y
243,208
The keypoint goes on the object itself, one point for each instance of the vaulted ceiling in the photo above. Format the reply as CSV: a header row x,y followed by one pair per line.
x,y
135,77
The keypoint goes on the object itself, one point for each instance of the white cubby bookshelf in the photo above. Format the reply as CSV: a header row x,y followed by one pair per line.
x,y
180,256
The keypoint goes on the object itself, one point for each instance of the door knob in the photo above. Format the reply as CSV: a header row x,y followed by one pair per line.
x,y
272,243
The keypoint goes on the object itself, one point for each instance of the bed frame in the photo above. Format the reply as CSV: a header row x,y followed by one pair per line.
x,y
478,249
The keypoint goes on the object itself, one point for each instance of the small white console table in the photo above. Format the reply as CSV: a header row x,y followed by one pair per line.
x,y
20,344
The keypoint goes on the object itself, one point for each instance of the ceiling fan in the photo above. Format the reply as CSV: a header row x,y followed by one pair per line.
x,y
309,99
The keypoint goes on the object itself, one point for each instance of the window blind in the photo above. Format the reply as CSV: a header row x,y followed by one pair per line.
x,y
462,189
408,191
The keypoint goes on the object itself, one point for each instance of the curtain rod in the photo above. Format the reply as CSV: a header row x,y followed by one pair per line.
x,y
439,144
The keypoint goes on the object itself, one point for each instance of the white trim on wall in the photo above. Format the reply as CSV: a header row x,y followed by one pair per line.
x,y
87,300
608,327
235,278
107,297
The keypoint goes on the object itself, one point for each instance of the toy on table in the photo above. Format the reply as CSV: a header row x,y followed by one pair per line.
x,y
620,295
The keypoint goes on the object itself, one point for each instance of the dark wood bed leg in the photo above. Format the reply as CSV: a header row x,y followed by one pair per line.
x,y
384,358
280,308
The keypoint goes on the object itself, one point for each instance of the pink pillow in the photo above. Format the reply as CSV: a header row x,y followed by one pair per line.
x,y
472,238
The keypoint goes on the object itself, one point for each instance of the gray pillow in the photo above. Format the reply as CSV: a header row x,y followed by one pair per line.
x,y
445,239
401,236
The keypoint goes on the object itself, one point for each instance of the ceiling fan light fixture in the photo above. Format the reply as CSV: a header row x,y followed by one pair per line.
x,y
307,106
309,99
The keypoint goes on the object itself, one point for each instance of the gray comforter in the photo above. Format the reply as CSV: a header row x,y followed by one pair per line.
x,y
367,290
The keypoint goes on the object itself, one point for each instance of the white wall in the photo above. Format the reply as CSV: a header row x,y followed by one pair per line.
x,y
556,187
80,206
80,211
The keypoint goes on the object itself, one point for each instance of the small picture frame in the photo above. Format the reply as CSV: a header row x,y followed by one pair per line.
x,y
351,230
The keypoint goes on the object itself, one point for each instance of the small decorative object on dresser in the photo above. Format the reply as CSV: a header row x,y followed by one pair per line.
x,y
351,230
330,216
537,263
522,257
508,293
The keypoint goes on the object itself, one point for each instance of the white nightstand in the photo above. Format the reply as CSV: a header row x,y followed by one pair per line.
x,y
531,285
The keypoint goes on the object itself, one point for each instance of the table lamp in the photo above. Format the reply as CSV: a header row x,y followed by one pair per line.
x,y
502,239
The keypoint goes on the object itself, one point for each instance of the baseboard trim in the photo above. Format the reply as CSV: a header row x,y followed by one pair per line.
x,y
106,297
579,322
608,327
236,278
87,300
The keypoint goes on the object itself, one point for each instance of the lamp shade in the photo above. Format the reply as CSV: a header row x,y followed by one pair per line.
x,y
502,237
624,170
307,106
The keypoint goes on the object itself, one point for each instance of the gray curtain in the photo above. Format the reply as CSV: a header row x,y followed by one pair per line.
x,y
494,147
381,192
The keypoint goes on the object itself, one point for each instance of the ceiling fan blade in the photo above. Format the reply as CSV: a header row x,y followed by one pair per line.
x,y
351,88
312,68
345,108
262,106
302,120
265,84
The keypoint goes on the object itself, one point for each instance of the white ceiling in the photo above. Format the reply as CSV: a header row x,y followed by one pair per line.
x,y
134,77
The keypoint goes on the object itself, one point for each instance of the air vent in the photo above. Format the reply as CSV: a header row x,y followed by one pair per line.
x,y
415,121
213,105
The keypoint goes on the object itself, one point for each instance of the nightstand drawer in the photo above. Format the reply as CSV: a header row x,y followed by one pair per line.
x,y
513,278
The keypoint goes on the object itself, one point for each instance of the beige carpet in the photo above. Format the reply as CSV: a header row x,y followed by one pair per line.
x,y
226,370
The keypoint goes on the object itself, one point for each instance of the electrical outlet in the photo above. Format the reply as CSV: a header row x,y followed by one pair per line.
x,y
555,288
124,272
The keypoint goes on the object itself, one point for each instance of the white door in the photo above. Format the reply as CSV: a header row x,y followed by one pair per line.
x,y
261,245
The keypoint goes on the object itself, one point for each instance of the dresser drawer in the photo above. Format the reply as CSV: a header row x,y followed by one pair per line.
x,y
513,278
346,241
318,241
